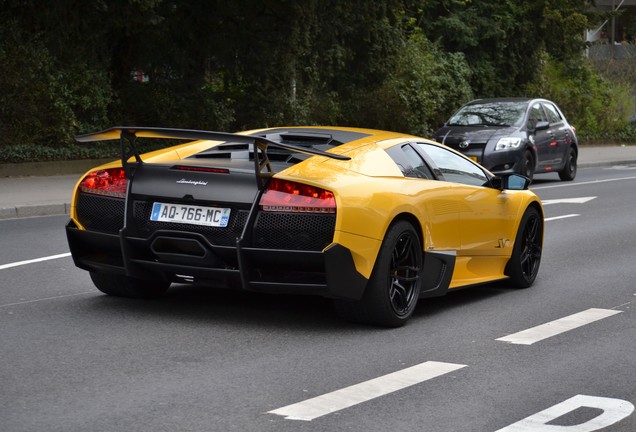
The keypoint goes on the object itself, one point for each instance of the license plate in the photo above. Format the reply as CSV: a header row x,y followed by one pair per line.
x,y
189,214
473,158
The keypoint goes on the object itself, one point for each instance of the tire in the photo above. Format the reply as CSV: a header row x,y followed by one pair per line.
x,y
124,286
394,287
524,262
569,169
527,165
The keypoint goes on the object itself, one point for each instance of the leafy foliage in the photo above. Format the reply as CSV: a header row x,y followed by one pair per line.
x,y
423,83
45,102
597,105
79,66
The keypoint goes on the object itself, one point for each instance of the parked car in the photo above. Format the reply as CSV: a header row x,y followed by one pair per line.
x,y
519,135
375,220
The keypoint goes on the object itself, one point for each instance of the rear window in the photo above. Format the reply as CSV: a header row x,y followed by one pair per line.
x,y
410,162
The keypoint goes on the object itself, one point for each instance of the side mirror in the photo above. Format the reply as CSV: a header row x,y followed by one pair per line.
x,y
540,125
510,182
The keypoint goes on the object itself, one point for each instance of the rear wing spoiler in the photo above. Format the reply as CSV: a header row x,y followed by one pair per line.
x,y
127,136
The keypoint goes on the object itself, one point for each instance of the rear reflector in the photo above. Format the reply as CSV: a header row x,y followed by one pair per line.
x,y
110,182
288,196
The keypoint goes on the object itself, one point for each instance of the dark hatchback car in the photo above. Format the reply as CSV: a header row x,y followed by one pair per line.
x,y
520,135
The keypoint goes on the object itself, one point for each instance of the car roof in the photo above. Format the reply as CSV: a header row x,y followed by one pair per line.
x,y
506,99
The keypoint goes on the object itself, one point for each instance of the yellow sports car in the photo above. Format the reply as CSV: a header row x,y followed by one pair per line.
x,y
373,219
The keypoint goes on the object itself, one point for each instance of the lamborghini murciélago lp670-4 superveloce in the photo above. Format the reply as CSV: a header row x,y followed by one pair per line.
x,y
372,219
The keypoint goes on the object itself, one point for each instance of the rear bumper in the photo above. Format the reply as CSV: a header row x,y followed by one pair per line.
x,y
189,257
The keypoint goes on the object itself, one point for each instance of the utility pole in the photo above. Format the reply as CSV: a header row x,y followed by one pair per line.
x,y
613,32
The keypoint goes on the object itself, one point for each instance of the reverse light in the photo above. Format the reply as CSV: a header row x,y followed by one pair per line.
x,y
288,196
109,182
508,143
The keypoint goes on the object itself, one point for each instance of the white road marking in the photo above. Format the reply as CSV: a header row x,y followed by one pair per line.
x,y
21,263
612,411
553,328
561,217
364,391
581,200
569,184
621,167
47,298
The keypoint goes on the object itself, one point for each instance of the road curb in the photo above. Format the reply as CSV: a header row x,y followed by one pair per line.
x,y
50,168
602,164
34,211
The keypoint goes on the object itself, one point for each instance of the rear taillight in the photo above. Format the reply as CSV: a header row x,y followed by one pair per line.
x,y
110,182
288,196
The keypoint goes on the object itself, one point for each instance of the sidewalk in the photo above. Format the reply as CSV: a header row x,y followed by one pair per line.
x,y
35,195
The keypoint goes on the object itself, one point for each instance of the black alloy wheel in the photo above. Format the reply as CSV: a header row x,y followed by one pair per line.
x,y
394,287
523,266
404,274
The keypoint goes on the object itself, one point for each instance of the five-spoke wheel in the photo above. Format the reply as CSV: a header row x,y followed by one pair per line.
x,y
394,287
526,255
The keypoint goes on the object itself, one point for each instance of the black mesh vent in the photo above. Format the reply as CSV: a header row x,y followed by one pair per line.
x,y
100,213
294,231
273,230
226,236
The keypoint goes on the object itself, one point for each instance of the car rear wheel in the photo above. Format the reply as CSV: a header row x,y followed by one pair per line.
x,y
569,169
527,165
394,287
526,254
124,286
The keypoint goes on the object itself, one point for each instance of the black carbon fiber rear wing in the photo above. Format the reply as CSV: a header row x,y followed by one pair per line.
x,y
127,136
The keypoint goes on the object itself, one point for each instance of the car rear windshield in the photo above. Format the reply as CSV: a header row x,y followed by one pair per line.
x,y
500,113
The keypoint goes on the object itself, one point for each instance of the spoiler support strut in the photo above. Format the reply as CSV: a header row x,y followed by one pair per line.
x,y
128,150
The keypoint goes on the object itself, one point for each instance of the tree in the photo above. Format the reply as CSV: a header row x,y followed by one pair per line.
x,y
503,41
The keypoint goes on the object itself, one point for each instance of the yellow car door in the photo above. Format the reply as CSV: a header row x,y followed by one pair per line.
x,y
487,216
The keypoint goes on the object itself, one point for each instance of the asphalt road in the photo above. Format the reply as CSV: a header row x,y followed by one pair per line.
x,y
72,359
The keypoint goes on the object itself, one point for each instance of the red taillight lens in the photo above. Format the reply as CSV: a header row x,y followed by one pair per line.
x,y
287,196
110,182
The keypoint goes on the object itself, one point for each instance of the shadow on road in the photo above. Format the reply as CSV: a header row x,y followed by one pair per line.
x,y
214,307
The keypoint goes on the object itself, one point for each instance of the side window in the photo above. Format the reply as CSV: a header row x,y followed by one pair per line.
x,y
536,115
411,164
553,114
453,167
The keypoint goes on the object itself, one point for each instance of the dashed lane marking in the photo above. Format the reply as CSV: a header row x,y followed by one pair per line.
x,y
45,299
561,217
562,325
364,391
571,184
581,200
21,263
